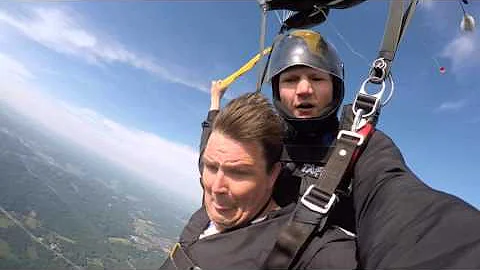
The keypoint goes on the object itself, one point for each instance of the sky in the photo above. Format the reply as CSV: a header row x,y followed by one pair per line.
x,y
130,79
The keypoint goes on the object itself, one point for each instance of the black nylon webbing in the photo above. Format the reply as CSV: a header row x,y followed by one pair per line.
x,y
392,30
180,259
338,163
395,28
293,239
295,236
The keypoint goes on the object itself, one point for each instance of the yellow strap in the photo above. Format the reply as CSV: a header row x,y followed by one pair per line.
x,y
249,65
174,249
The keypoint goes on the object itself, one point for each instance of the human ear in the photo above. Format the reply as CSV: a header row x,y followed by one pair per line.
x,y
277,167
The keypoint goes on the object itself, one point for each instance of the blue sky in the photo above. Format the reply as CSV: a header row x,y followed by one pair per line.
x,y
130,79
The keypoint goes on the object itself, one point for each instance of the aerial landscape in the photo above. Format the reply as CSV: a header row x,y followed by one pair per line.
x,y
102,105
62,207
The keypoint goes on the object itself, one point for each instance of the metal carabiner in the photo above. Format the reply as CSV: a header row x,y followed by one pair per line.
x,y
378,71
377,96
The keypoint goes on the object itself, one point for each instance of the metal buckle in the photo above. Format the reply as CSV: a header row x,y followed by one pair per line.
x,y
314,207
378,71
377,96
358,121
360,137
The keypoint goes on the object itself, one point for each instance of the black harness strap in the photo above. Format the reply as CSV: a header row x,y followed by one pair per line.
x,y
180,259
395,27
312,210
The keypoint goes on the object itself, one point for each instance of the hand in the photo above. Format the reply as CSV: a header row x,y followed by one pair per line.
x,y
217,90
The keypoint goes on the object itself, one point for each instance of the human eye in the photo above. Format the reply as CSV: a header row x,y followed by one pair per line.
x,y
210,166
239,173
318,79
289,79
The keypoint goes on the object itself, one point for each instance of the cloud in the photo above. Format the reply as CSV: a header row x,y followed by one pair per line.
x,y
62,31
156,159
474,120
451,106
463,51
427,4
16,71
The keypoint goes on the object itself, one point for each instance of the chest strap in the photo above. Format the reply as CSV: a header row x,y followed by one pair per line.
x,y
312,210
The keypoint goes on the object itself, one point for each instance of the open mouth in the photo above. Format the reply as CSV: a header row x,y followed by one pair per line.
x,y
305,106
221,207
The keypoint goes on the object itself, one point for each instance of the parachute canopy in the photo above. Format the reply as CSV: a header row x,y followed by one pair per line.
x,y
306,5
468,23
308,12
306,19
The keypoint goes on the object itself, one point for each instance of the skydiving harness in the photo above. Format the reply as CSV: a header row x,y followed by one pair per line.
x,y
320,197
312,210
314,206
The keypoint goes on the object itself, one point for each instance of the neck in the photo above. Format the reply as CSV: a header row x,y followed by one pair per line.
x,y
269,206
309,130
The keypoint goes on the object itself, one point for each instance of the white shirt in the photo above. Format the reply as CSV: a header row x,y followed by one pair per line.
x,y
212,229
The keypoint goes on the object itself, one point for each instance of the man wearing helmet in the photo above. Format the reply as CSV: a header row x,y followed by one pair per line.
x,y
307,79
385,218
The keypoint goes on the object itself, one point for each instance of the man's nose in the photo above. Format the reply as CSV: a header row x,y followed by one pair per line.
x,y
304,87
219,184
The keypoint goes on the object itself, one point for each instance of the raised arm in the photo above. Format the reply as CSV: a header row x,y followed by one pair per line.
x,y
403,223
217,90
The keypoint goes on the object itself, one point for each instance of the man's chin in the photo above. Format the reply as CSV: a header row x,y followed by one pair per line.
x,y
226,220
223,225
304,114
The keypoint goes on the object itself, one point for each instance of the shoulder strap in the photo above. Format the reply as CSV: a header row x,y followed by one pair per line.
x,y
180,259
313,208
395,27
